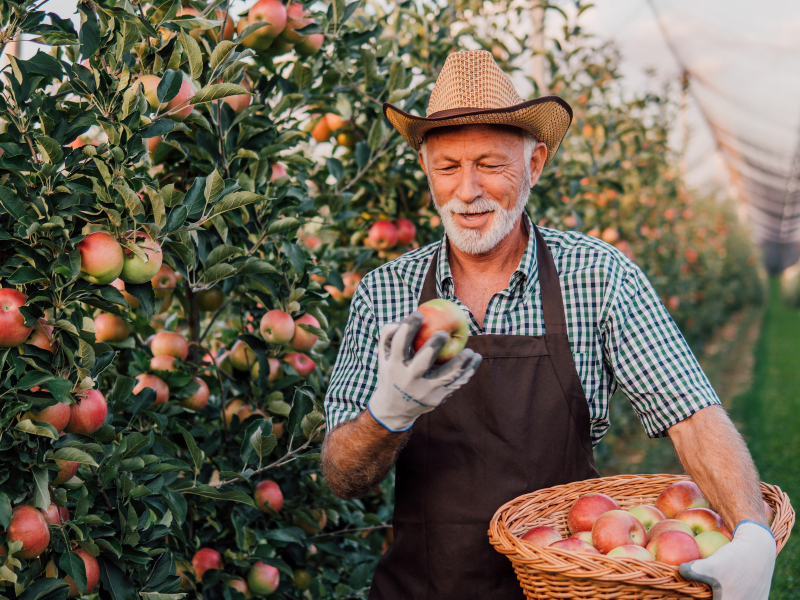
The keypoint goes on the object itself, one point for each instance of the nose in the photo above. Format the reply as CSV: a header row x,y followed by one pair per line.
x,y
469,185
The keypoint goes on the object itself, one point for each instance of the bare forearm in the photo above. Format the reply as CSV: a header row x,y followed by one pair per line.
x,y
716,457
358,454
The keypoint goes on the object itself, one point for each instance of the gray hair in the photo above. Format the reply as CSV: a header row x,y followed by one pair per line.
x,y
529,141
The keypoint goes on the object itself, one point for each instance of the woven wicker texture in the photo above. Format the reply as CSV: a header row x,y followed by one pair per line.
x,y
471,81
550,573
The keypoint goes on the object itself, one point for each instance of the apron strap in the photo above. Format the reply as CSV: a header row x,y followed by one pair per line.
x,y
429,287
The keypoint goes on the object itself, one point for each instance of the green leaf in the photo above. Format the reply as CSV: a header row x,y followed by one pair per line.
x,y
44,430
220,254
262,444
169,86
41,493
5,510
218,273
377,133
315,331
47,588
336,168
49,149
311,421
74,455
194,451
214,186
115,582
144,293
281,225
217,91
11,203
235,200
302,404
176,219
221,53
26,274
193,52
209,492
73,565
132,202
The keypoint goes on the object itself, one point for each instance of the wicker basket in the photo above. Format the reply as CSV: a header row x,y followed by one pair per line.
x,y
550,573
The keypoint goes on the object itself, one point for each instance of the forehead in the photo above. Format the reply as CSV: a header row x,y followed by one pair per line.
x,y
485,137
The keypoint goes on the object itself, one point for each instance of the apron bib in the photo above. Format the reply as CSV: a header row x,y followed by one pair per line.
x,y
520,424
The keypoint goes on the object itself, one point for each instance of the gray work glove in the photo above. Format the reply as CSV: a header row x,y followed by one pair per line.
x,y
740,570
406,386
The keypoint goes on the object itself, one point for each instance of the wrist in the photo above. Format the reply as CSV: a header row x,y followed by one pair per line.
x,y
750,521
386,423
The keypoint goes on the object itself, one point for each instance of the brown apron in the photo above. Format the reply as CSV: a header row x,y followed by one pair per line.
x,y
519,425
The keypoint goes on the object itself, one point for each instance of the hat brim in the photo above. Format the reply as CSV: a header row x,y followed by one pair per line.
x,y
547,118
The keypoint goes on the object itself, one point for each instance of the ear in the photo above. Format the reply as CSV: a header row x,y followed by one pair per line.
x,y
538,159
422,162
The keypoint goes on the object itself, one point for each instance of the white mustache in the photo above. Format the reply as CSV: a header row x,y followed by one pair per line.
x,y
477,206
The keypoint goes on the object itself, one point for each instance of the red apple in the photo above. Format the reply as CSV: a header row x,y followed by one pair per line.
x,y
55,515
617,528
231,409
227,28
709,542
335,293
239,102
29,527
700,519
322,131
134,269
297,18
586,536
252,41
92,574
199,399
574,545
680,496
13,331
210,300
277,327
111,328
170,343
88,413
120,285
67,471
101,258
724,531
152,144
542,536
247,411
406,232
263,579
272,12
304,340
667,525
163,362
631,551
241,585
443,315
310,45
278,171
56,415
164,281
647,515
42,336
674,548
351,281
190,12
321,517
275,370
268,494
150,84
146,380
382,235
300,363
242,356
206,559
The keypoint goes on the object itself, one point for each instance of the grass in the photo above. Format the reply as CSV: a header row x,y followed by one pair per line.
x,y
769,417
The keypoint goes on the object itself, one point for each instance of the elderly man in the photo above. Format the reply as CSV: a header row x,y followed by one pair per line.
x,y
558,320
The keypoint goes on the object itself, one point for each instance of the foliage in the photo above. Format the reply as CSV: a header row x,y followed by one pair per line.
x,y
158,482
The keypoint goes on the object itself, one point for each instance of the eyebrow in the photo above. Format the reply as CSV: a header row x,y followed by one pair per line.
x,y
481,157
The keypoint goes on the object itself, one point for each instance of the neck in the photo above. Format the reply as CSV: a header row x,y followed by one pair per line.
x,y
502,259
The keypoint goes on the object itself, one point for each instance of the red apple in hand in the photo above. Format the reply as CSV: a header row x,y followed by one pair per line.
x,y
680,496
574,545
304,340
12,324
674,548
55,515
277,327
204,560
268,494
171,344
586,510
542,536
300,363
88,413
647,515
443,315
101,258
382,235
263,579
29,527
700,520
617,528
631,551
56,415
667,525
709,542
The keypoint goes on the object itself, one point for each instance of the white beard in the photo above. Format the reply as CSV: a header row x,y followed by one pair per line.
x,y
502,222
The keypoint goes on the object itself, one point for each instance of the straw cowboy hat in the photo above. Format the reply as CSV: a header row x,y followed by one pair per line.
x,y
471,90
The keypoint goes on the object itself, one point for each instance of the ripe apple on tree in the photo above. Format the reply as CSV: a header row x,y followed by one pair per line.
x,y
206,559
163,362
120,285
55,515
240,585
278,327
150,85
300,363
67,470
88,413
275,370
247,411
383,235
29,527
232,409
56,415
210,300
199,399
303,340
406,231
111,328
134,268
101,258
268,495
170,343
242,356
42,336
447,316
13,330
263,579
146,380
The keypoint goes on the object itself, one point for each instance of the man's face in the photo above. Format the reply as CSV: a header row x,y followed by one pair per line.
x,y
480,181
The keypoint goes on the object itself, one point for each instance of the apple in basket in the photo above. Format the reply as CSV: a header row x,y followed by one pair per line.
x,y
574,545
674,548
542,536
631,551
587,509
667,525
617,528
647,515
586,536
679,496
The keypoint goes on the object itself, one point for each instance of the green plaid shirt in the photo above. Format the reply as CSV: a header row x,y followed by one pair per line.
x,y
620,333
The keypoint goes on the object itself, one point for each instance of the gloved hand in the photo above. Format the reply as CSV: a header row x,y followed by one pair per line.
x,y
406,389
740,570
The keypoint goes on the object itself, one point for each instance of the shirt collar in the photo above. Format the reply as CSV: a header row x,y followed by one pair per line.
x,y
526,272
